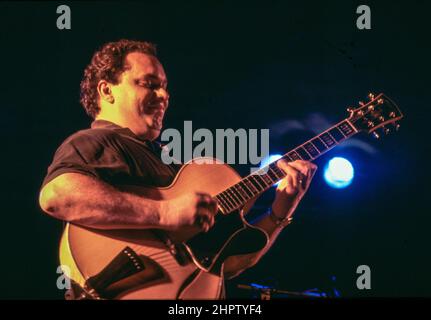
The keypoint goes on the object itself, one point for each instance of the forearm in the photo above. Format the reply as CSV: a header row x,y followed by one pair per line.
x,y
235,265
271,229
86,201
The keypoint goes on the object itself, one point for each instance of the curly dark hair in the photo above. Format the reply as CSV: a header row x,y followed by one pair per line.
x,y
108,64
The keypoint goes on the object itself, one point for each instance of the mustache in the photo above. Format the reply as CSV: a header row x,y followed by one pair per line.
x,y
157,104
151,108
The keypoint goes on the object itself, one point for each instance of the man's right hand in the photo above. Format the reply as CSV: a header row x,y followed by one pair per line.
x,y
194,209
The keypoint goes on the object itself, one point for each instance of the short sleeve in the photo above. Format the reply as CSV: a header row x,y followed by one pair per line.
x,y
88,155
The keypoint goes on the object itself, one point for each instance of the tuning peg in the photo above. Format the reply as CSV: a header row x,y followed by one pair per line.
x,y
370,124
371,96
380,101
386,130
382,118
392,114
376,135
371,107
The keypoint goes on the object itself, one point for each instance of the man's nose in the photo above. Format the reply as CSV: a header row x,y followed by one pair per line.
x,y
162,93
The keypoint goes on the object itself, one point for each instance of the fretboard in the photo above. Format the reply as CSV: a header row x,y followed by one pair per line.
x,y
239,194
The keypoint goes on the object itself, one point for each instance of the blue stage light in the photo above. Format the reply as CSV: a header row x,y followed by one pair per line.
x,y
268,159
339,173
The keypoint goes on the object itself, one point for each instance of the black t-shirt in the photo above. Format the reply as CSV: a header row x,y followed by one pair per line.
x,y
113,154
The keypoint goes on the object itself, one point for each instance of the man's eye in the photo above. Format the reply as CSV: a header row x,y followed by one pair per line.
x,y
148,84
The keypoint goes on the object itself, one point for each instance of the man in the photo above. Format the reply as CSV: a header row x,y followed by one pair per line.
x,y
125,90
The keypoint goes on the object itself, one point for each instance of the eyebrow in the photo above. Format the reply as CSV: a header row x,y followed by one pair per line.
x,y
153,76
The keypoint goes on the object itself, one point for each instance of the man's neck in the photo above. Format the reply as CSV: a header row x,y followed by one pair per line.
x,y
118,124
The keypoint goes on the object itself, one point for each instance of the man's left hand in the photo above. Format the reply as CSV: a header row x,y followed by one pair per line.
x,y
293,187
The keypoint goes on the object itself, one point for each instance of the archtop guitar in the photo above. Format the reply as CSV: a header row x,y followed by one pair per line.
x,y
153,264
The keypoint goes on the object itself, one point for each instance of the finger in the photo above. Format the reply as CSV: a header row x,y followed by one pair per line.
x,y
205,198
313,170
290,185
287,180
287,185
201,223
308,169
209,215
211,206
282,163
204,218
208,202
302,166
293,173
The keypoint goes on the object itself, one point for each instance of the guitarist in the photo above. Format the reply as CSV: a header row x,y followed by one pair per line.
x,y
124,89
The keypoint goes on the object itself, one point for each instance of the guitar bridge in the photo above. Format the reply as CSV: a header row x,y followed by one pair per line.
x,y
125,264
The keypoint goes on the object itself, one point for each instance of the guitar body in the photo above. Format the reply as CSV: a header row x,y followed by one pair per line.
x,y
175,265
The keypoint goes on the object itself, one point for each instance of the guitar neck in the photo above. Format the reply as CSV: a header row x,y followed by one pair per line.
x,y
239,194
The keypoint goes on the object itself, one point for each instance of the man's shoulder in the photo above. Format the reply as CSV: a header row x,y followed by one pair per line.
x,y
92,139
100,135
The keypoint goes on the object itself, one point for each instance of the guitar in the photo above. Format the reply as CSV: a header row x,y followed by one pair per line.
x,y
188,264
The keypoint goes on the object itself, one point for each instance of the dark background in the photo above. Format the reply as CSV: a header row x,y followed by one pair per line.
x,y
249,65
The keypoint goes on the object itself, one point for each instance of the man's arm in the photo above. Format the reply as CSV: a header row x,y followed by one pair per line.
x,y
288,195
88,201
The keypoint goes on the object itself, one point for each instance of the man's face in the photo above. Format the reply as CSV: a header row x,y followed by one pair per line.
x,y
141,96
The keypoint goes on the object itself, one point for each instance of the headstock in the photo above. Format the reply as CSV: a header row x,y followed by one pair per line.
x,y
378,112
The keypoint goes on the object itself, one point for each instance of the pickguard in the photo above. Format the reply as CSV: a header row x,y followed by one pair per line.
x,y
228,237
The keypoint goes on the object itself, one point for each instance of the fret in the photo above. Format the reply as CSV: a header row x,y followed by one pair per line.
x,y
221,200
237,199
337,134
329,134
294,156
246,189
233,197
312,150
237,194
220,203
303,153
259,180
346,128
272,174
225,209
319,144
287,157
241,192
222,208
267,179
250,183
224,201
327,139
255,184
280,173
228,199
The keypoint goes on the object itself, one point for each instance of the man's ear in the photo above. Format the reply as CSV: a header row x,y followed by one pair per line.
x,y
105,92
